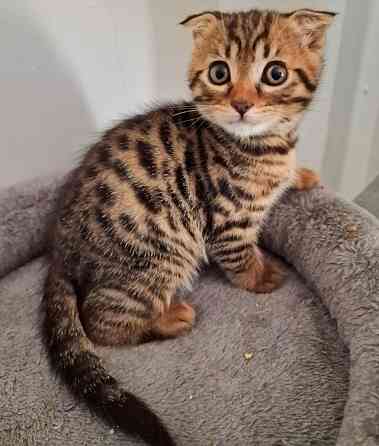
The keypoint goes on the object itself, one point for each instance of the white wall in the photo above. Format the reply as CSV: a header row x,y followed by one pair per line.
x,y
347,79
360,161
67,69
70,68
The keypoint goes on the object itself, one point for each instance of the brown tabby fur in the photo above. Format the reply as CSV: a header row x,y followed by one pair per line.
x,y
163,192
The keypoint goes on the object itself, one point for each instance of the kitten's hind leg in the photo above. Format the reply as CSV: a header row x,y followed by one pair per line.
x,y
121,316
118,315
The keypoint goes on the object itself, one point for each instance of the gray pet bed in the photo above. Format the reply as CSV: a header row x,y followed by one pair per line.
x,y
297,367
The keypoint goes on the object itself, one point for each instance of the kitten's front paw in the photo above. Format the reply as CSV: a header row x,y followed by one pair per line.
x,y
262,276
272,278
306,179
178,320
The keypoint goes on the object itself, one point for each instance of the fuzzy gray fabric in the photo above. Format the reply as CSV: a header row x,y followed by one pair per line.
x,y
24,211
299,367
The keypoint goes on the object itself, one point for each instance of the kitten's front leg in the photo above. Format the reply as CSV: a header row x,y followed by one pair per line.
x,y
306,179
250,268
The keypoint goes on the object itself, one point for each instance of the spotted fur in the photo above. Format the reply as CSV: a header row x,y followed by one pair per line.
x,y
163,192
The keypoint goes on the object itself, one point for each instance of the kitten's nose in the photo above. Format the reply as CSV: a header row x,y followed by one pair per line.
x,y
241,106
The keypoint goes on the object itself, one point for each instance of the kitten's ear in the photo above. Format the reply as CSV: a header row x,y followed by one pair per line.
x,y
201,24
312,26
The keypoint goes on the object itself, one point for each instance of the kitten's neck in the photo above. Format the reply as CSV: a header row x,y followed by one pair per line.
x,y
269,138
255,146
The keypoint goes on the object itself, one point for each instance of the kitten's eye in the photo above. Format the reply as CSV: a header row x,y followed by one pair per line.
x,y
275,74
219,73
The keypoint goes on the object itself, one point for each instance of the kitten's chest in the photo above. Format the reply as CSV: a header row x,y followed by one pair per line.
x,y
259,186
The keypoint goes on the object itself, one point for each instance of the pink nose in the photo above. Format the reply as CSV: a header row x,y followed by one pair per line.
x,y
241,106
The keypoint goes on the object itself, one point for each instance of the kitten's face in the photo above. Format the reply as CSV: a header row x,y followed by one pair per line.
x,y
254,73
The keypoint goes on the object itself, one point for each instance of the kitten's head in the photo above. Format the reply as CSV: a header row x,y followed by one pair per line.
x,y
255,72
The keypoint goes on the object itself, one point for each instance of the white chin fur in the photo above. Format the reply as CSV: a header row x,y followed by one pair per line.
x,y
246,130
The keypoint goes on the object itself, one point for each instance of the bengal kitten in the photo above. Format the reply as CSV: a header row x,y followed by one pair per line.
x,y
162,192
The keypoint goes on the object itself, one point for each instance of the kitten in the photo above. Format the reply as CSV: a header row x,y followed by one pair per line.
x,y
162,192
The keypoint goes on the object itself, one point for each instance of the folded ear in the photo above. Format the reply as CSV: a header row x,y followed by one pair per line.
x,y
201,24
312,26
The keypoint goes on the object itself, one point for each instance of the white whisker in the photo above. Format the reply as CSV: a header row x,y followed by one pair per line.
x,y
183,112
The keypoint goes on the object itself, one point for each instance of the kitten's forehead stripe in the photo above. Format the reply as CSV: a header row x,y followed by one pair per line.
x,y
246,30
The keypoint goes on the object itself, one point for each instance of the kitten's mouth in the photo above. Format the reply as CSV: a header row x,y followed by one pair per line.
x,y
240,121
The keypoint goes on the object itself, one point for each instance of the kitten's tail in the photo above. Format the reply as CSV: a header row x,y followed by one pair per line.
x,y
71,352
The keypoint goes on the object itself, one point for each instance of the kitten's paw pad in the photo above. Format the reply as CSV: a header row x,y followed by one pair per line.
x,y
272,279
306,179
178,320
